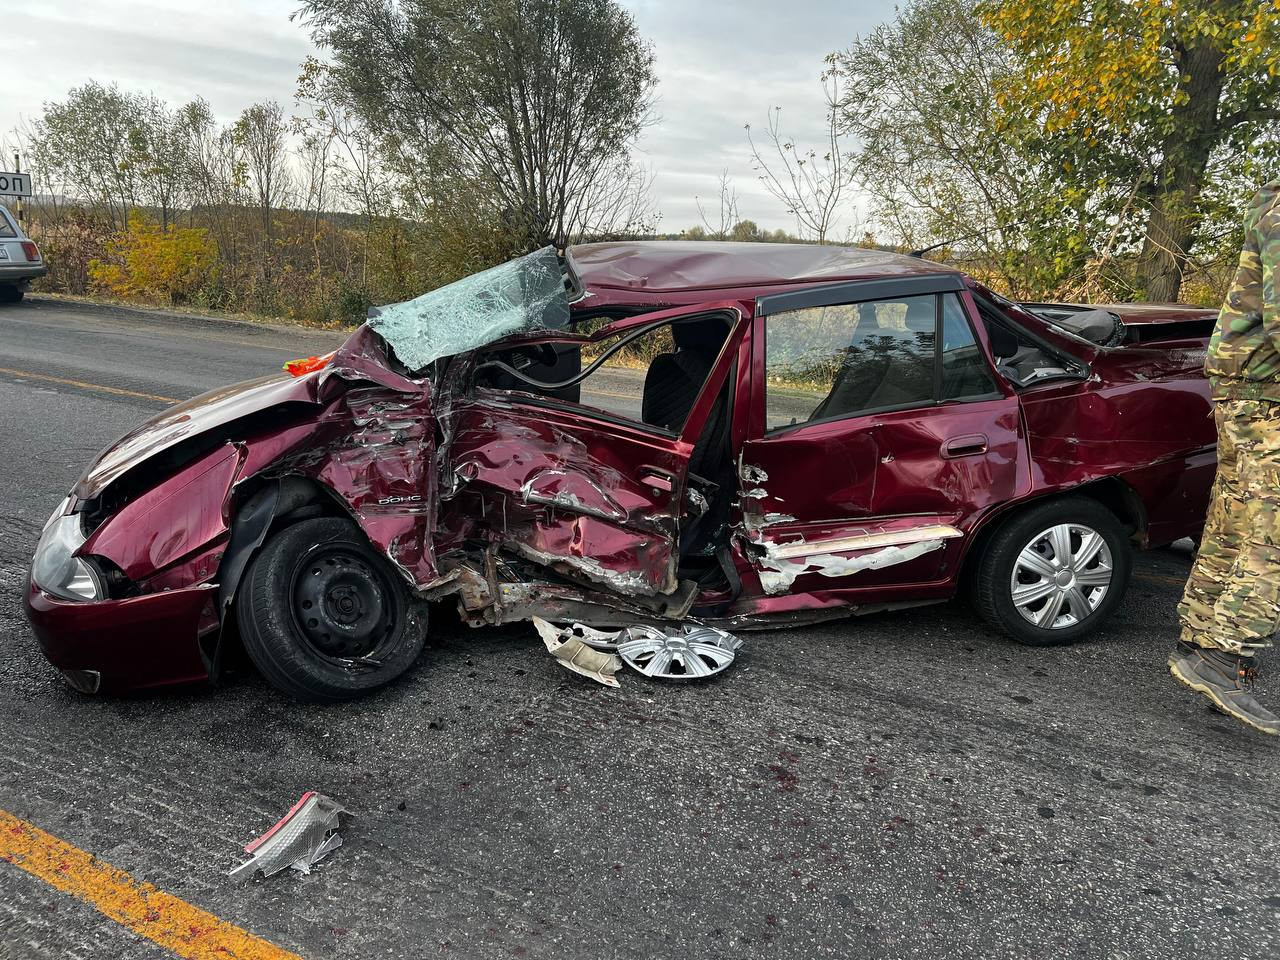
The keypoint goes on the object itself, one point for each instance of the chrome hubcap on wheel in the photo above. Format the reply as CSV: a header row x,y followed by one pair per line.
x,y
1061,576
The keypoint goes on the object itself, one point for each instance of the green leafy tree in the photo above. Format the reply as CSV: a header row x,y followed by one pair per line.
x,y
538,102
1180,83
944,167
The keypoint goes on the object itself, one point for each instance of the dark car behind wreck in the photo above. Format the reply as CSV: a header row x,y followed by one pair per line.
x,y
744,434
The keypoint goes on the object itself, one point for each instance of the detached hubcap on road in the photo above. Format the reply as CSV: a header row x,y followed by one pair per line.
x,y
1061,576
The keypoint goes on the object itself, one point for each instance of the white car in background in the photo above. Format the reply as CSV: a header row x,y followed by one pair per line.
x,y
20,260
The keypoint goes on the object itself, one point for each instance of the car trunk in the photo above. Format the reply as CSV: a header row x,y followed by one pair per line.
x,y
1140,323
12,253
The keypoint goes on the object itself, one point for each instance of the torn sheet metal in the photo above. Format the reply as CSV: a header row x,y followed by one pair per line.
x,y
523,295
302,837
574,654
861,541
603,640
567,498
778,574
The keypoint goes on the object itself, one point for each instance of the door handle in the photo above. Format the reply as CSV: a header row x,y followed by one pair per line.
x,y
970,446
661,481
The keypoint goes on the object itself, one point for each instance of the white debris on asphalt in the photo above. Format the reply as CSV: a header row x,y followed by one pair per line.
x,y
574,654
301,838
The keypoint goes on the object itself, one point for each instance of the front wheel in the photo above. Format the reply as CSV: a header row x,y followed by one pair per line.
x,y
323,615
1055,572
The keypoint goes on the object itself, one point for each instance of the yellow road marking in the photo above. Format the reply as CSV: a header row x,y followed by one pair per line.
x,y
159,917
84,385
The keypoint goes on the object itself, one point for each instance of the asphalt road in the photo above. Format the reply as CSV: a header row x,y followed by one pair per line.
x,y
904,785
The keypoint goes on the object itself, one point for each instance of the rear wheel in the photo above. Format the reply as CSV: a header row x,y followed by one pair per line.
x,y
323,615
1055,572
10,293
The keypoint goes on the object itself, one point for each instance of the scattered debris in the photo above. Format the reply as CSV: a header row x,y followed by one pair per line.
x,y
573,653
687,652
302,837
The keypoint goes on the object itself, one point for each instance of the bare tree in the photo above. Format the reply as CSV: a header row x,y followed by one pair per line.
x,y
262,133
728,212
809,181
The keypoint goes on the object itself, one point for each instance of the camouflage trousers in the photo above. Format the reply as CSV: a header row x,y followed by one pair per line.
x,y
1232,600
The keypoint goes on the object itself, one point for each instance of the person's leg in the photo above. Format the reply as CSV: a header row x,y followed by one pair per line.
x,y
1219,543
1247,609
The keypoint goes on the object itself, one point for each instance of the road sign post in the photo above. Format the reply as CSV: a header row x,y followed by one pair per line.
x,y
15,184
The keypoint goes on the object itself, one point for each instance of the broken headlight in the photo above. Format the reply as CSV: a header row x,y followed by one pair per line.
x,y
56,570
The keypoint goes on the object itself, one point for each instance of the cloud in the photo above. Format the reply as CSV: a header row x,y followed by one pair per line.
x,y
232,53
722,65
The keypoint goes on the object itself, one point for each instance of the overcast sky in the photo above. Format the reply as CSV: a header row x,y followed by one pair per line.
x,y
721,64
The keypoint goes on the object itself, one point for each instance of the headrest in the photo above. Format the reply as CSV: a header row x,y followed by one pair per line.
x,y
705,334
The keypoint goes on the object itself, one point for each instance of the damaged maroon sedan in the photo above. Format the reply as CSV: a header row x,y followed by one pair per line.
x,y
741,434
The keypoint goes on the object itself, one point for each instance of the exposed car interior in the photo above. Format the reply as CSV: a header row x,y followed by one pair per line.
x,y
669,363
1021,358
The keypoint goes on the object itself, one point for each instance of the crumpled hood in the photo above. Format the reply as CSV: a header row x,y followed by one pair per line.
x,y
190,418
362,358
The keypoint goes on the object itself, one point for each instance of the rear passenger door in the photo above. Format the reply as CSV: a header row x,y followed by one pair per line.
x,y
881,435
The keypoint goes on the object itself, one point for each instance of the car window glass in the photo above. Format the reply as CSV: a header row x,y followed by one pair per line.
x,y
6,228
839,361
653,380
1018,357
965,372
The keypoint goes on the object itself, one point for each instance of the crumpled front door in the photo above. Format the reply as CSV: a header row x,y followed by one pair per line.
x,y
598,499
600,502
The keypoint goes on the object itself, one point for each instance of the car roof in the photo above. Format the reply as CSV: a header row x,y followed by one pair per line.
x,y
671,266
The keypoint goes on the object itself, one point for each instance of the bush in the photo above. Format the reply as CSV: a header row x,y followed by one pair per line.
x,y
70,241
150,263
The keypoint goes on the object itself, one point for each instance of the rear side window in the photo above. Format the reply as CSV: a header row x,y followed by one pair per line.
x,y
839,361
1021,358
6,228
964,368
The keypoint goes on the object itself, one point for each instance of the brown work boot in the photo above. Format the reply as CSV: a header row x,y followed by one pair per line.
x,y
1226,679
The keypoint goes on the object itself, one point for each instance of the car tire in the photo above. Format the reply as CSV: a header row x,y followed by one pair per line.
x,y
1020,576
323,615
11,294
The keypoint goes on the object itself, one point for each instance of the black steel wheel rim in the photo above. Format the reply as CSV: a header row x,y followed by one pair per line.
x,y
345,608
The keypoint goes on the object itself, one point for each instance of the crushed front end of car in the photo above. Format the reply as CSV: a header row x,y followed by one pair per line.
x,y
138,573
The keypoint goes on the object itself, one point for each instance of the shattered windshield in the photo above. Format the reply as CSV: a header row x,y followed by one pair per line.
x,y
522,295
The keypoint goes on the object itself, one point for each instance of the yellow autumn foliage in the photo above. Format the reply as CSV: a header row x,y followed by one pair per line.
x,y
1123,62
156,264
